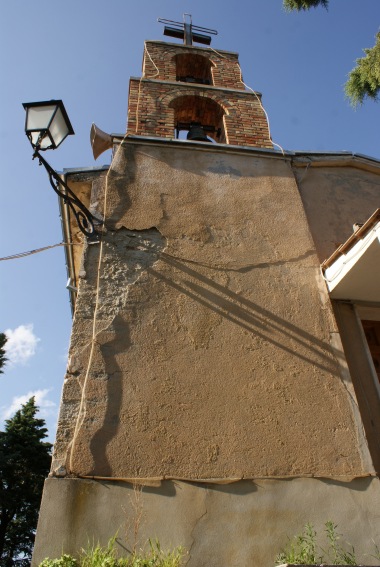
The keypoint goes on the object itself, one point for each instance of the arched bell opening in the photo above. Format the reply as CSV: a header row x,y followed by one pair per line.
x,y
196,114
193,68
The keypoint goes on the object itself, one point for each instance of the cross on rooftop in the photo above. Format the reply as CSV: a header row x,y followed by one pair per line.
x,y
187,31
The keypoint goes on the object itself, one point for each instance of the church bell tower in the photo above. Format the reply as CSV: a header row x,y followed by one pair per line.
x,y
197,90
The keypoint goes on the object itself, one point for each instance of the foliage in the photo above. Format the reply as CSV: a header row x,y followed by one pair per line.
x,y
377,552
64,561
24,464
337,553
98,556
364,79
304,4
303,549
3,340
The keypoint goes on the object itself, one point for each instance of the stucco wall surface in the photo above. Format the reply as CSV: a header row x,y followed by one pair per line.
x,y
244,524
209,352
334,199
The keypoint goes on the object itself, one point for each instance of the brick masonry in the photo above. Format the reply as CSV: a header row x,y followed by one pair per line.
x,y
157,99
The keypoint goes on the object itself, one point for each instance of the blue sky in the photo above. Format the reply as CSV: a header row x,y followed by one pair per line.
x,y
83,52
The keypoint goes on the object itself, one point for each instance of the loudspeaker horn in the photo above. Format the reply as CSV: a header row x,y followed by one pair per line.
x,y
100,141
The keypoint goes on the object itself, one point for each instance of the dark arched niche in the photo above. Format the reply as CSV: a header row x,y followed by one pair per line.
x,y
193,68
207,112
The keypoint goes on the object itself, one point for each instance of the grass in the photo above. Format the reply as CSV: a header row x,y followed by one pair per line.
x,y
304,550
105,556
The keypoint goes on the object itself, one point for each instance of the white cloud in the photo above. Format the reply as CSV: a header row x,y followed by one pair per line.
x,y
47,407
21,344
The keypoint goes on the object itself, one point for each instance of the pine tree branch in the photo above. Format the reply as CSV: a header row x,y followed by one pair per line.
x,y
304,4
364,79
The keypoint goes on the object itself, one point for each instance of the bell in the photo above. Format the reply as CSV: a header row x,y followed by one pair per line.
x,y
196,132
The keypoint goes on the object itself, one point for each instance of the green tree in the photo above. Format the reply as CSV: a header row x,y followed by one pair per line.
x,y
364,80
304,4
3,340
24,464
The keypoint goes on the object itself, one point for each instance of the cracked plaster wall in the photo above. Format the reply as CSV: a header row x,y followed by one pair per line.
x,y
212,354
244,524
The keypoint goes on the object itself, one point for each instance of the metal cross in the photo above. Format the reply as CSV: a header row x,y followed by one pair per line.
x,y
187,31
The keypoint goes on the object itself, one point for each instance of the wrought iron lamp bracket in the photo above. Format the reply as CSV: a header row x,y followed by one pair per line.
x,y
86,221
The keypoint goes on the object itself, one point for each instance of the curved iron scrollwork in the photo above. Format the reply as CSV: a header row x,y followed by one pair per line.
x,y
86,221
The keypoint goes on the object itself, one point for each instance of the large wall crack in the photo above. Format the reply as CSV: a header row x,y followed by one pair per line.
x,y
128,253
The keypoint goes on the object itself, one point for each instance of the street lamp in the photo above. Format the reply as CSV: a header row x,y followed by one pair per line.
x,y
46,126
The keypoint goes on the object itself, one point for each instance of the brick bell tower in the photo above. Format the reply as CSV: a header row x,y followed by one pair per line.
x,y
184,85
205,401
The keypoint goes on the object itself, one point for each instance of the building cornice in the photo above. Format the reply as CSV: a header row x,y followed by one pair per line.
x,y
196,86
299,159
191,47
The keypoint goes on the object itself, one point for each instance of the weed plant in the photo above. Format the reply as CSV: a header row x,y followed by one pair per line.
x,y
105,556
338,554
304,550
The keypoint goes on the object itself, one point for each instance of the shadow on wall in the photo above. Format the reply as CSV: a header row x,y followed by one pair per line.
x,y
121,174
111,418
247,314
188,279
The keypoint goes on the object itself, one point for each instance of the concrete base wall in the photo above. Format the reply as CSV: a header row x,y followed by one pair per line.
x,y
244,524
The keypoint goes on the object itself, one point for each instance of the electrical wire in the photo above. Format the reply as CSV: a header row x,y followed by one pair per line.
x,y
140,82
263,109
82,407
158,71
37,250
258,98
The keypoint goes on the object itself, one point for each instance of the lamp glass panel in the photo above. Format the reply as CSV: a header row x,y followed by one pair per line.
x,y
43,142
58,128
39,117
